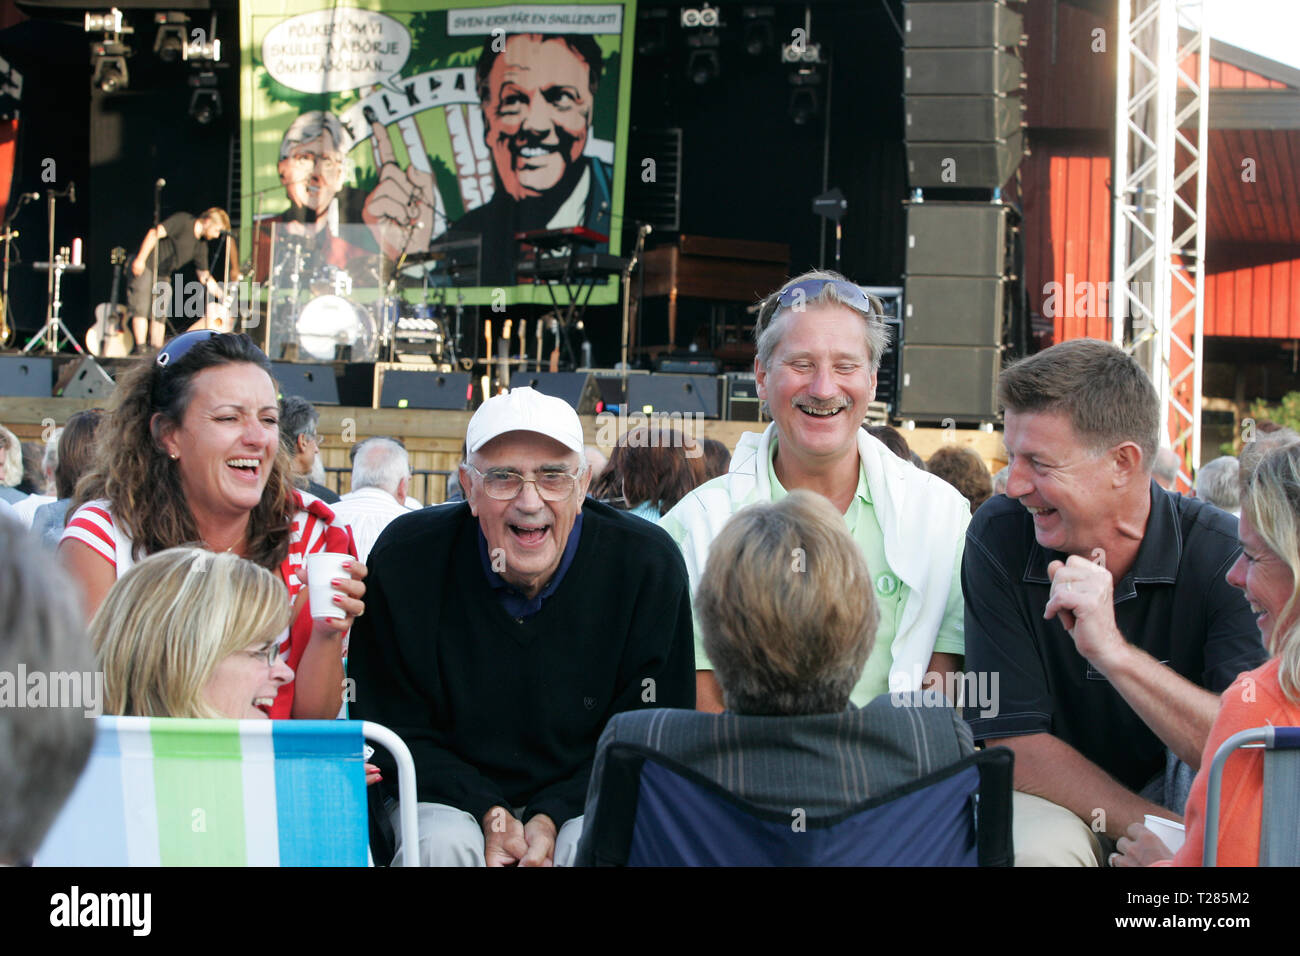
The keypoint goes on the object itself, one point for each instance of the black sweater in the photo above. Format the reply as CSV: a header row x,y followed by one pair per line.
x,y
498,711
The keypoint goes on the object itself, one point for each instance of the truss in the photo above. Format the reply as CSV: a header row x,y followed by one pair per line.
x,y
1158,235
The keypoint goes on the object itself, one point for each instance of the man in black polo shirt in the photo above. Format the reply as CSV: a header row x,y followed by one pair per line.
x,y
501,635
1100,601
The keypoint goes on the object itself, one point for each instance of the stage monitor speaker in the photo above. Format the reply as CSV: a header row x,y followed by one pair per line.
x,y
578,389
964,165
966,24
961,72
89,380
316,383
945,310
956,239
687,394
23,376
960,119
742,401
407,388
956,382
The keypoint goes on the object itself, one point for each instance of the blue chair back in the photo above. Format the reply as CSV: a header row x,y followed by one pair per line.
x,y
655,812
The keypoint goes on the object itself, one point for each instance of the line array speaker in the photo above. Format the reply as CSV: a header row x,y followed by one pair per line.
x,y
955,310
956,382
956,239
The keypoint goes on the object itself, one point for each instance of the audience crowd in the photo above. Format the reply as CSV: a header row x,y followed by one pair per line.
x,y
811,621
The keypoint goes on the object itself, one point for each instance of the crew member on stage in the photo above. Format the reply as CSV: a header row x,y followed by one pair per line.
x,y
224,262
179,240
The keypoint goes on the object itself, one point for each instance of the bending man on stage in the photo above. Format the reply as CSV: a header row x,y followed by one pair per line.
x,y
179,240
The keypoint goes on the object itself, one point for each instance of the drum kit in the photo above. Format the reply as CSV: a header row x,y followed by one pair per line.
x,y
325,312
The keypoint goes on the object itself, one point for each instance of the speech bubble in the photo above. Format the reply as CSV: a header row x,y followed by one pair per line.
x,y
329,51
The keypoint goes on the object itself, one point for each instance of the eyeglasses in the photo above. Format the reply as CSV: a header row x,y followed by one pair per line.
x,y
506,485
270,654
177,347
796,295
329,164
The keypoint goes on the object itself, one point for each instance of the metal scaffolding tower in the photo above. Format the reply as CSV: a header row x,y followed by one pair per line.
x,y
1158,225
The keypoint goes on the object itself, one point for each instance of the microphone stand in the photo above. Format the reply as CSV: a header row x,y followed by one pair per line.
x,y
641,232
153,286
53,323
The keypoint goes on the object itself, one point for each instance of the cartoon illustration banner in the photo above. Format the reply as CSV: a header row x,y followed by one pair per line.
x,y
403,144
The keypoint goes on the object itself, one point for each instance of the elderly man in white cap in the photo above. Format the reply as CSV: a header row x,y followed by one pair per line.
x,y
502,633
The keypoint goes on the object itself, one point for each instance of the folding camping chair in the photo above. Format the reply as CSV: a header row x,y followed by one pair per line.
x,y
1279,825
652,811
171,792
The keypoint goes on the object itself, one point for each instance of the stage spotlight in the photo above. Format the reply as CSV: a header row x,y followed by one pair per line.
x,y
804,105
169,42
110,73
702,66
757,35
652,32
694,18
205,101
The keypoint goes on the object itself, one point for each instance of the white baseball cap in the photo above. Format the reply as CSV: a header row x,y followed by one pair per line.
x,y
525,409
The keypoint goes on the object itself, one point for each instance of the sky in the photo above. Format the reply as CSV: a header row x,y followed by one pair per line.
x,y
1270,28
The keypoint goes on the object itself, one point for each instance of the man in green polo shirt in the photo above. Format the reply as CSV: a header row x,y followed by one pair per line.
x,y
820,339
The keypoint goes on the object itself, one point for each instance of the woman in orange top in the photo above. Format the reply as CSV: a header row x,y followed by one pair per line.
x,y
1267,570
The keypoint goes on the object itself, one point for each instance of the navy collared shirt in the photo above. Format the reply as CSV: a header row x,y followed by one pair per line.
x,y
516,603
1174,603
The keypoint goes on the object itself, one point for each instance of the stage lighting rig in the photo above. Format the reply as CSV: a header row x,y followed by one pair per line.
x,y
205,101
757,35
694,18
170,41
700,24
108,56
703,65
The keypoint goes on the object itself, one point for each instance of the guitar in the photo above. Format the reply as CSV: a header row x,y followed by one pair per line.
x,y
108,337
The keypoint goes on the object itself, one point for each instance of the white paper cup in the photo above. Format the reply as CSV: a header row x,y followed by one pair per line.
x,y
1171,834
322,568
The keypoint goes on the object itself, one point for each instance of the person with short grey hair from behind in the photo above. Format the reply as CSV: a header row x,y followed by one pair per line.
x,y
42,749
381,475
1000,481
1165,469
1216,483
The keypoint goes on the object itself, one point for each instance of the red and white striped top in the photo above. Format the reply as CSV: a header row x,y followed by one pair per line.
x,y
314,529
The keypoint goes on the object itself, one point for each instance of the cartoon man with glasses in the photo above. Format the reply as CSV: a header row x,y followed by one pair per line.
x,y
820,340
313,169
502,633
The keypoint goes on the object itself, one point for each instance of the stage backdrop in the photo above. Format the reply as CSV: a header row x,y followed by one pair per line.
x,y
391,132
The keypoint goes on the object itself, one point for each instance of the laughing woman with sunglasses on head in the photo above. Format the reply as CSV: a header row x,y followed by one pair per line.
x,y
191,453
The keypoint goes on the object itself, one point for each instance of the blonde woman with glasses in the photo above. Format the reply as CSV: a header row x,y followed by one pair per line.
x,y
190,633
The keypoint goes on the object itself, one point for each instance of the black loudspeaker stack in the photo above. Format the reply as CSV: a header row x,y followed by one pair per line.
x,y
962,84
963,129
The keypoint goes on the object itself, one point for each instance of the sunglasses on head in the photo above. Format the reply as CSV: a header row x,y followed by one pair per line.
x,y
795,296
175,349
